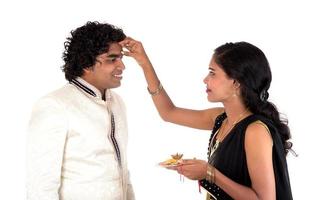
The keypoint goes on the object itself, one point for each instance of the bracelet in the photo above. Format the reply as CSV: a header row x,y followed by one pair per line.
x,y
159,89
210,174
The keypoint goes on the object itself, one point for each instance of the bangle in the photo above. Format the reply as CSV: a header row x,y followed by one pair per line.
x,y
210,174
159,89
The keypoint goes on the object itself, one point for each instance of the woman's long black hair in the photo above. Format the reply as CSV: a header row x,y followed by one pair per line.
x,y
248,65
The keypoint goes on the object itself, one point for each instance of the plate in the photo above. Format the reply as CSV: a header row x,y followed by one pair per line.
x,y
166,164
174,161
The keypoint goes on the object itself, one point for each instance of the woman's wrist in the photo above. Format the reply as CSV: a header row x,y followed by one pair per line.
x,y
157,91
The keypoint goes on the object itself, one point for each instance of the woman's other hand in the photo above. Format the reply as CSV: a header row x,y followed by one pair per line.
x,y
192,169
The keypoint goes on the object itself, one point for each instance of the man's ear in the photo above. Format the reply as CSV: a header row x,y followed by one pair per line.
x,y
88,70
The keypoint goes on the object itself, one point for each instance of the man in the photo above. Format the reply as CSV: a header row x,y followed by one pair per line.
x,y
77,134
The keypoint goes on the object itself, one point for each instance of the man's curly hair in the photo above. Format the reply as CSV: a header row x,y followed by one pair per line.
x,y
85,44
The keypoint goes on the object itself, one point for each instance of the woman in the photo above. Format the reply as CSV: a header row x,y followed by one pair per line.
x,y
249,142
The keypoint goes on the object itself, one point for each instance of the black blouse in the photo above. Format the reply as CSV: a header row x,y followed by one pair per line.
x,y
230,158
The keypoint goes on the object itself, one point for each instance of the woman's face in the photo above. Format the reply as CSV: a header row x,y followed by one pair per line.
x,y
219,87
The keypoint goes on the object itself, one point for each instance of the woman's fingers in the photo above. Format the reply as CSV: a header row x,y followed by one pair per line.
x,y
128,43
188,161
135,50
127,53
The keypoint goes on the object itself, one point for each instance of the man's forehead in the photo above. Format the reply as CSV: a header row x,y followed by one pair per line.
x,y
114,51
114,48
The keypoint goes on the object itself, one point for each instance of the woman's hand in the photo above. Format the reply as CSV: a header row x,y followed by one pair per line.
x,y
192,169
136,50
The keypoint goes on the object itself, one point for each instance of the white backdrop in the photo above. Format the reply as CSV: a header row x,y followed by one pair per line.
x,y
180,37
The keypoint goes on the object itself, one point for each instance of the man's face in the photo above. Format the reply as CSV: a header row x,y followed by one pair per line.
x,y
107,71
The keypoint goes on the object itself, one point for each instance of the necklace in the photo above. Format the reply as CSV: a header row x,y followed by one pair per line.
x,y
220,135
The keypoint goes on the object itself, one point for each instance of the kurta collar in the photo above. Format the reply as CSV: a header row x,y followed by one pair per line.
x,y
90,89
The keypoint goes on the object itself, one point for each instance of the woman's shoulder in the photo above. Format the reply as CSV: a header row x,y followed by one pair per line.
x,y
258,138
257,127
258,130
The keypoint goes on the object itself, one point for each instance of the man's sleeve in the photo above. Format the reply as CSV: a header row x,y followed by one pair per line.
x,y
45,148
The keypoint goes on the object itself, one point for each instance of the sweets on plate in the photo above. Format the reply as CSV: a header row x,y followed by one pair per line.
x,y
175,160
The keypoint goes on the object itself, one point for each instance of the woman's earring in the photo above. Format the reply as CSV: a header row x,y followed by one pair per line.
x,y
235,92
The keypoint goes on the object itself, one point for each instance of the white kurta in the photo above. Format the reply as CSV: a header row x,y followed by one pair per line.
x,y
70,155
